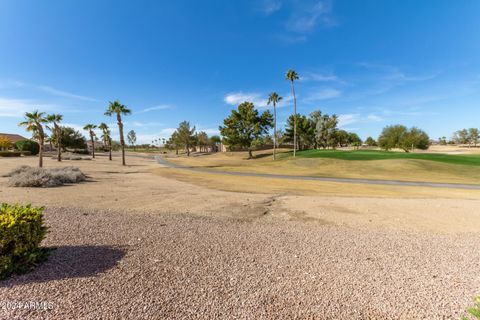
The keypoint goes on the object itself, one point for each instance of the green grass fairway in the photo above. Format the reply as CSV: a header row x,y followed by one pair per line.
x,y
470,160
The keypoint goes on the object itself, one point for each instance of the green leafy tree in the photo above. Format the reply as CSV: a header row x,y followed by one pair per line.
x,y
107,138
398,136
461,136
215,142
292,76
56,137
202,141
305,131
34,122
415,138
118,109
89,128
132,138
244,127
325,129
391,137
354,139
173,142
274,99
186,136
473,136
371,142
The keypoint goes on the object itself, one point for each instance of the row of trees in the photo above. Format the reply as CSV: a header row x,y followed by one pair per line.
x,y
36,122
467,136
246,128
185,137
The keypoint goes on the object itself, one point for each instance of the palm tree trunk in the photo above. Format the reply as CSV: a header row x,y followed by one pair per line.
x,y
93,146
122,140
59,145
274,130
294,121
110,149
250,155
40,154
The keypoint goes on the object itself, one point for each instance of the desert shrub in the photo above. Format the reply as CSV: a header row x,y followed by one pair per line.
x,y
10,154
21,231
475,310
28,145
25,176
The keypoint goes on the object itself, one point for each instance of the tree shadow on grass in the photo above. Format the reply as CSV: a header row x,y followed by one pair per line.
x,y
66,262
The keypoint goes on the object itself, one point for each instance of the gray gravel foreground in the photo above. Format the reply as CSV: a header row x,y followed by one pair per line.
x,y
114,265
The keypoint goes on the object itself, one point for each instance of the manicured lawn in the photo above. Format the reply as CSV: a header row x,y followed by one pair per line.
x,y
471,160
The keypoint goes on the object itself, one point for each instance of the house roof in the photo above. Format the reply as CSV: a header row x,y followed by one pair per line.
x,y
13,137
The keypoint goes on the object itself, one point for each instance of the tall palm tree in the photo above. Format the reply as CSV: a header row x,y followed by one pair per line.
x,y
34,123
119,109
55,119
90,127
107,139
274,98
292,76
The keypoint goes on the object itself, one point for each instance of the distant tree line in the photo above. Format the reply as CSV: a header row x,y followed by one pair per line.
x,y
467,136
186,138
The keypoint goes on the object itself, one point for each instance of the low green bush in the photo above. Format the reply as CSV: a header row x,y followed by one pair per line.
x,y
21,232
28,145
10,154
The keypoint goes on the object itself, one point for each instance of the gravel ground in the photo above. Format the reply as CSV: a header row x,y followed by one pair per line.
x,y
117,265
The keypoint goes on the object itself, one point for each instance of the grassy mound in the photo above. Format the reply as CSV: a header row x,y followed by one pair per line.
x,y
471,160
25,176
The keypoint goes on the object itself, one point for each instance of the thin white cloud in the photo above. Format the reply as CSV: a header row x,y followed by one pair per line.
x,y
269,7
350,118
236,98
258,99
307,15
17,107
65,94
155,108
319,77
323,94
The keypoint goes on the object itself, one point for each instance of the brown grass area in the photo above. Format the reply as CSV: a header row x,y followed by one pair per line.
x,y
392,169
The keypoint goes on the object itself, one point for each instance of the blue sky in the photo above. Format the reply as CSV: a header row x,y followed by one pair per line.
x,y
373,62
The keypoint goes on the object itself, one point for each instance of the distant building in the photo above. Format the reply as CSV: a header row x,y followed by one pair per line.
x,y
14,138
98,145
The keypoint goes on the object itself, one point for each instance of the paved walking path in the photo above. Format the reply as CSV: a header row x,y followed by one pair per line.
x,y
162,161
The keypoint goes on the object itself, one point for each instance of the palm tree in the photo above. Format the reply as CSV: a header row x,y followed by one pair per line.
x,y
33,122
117,108
274,98
57,130
107,139
90,127
292,76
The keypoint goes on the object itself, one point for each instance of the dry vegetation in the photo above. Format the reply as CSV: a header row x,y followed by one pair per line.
x,y
26,176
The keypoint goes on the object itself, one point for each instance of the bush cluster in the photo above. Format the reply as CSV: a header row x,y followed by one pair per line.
x,y
25,176
10,154
28,145
21,231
